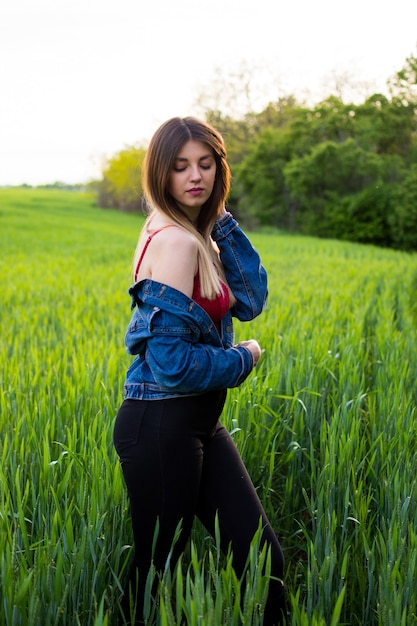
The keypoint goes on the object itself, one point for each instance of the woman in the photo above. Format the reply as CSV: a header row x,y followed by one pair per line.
x,y
193,269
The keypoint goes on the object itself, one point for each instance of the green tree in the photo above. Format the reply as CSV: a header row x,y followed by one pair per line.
x,y
385,126
403,219
321,178
403,85
363,216
263,196
329,120
121,186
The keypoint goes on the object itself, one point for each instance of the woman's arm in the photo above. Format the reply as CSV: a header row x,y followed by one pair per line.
x,y
244,271
178,364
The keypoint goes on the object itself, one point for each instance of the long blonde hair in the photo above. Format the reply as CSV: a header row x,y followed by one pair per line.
x,y
157,167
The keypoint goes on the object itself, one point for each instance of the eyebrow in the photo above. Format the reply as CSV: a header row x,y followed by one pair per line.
x,y
206,156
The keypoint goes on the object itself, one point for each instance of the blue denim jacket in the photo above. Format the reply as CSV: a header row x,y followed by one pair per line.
x,y
179,350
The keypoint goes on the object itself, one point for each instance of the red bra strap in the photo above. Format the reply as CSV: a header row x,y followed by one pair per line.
x,y
145,247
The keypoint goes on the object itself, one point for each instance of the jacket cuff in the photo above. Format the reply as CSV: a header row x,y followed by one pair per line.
x,y
223,226
248,359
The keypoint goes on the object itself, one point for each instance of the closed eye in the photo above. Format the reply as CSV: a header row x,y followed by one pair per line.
x,y
206,163
203,167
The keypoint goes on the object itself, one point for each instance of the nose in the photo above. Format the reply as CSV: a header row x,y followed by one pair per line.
x,y
195,173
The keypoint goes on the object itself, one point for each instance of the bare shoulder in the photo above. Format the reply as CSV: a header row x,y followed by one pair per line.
x,y
174,244
175,235
173,260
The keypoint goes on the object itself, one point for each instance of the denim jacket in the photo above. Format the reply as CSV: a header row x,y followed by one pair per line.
x,y
179,350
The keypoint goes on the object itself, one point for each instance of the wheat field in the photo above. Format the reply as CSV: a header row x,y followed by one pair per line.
x,y
326,424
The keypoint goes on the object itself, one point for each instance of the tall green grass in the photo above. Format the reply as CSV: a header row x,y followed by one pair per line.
x,y
326,425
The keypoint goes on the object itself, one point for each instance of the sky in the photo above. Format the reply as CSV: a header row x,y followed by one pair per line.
x,y
82,79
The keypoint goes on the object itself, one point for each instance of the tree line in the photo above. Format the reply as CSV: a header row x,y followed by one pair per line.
x,y
336,169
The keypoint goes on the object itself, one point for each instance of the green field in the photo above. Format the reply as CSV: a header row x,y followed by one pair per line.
x,y
327,425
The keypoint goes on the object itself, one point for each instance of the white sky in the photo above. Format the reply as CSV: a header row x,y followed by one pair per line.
x,y
80,79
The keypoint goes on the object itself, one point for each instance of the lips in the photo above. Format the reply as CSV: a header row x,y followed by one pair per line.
x,y
195,191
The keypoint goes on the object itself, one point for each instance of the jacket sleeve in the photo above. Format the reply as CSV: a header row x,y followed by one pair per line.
x,y
245,273
178,363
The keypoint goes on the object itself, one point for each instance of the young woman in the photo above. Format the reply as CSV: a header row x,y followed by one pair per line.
x,y
193,270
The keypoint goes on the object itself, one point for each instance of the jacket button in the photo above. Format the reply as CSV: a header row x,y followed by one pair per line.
x,y
228,329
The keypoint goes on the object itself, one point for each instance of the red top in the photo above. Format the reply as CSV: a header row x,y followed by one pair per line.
x,y
216,308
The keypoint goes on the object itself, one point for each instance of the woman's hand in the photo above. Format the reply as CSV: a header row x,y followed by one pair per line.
x,y
254,348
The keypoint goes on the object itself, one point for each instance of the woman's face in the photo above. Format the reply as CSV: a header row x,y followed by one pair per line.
x,y
191,180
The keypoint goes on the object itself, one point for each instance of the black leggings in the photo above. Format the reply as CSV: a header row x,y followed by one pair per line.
x,y
178,461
